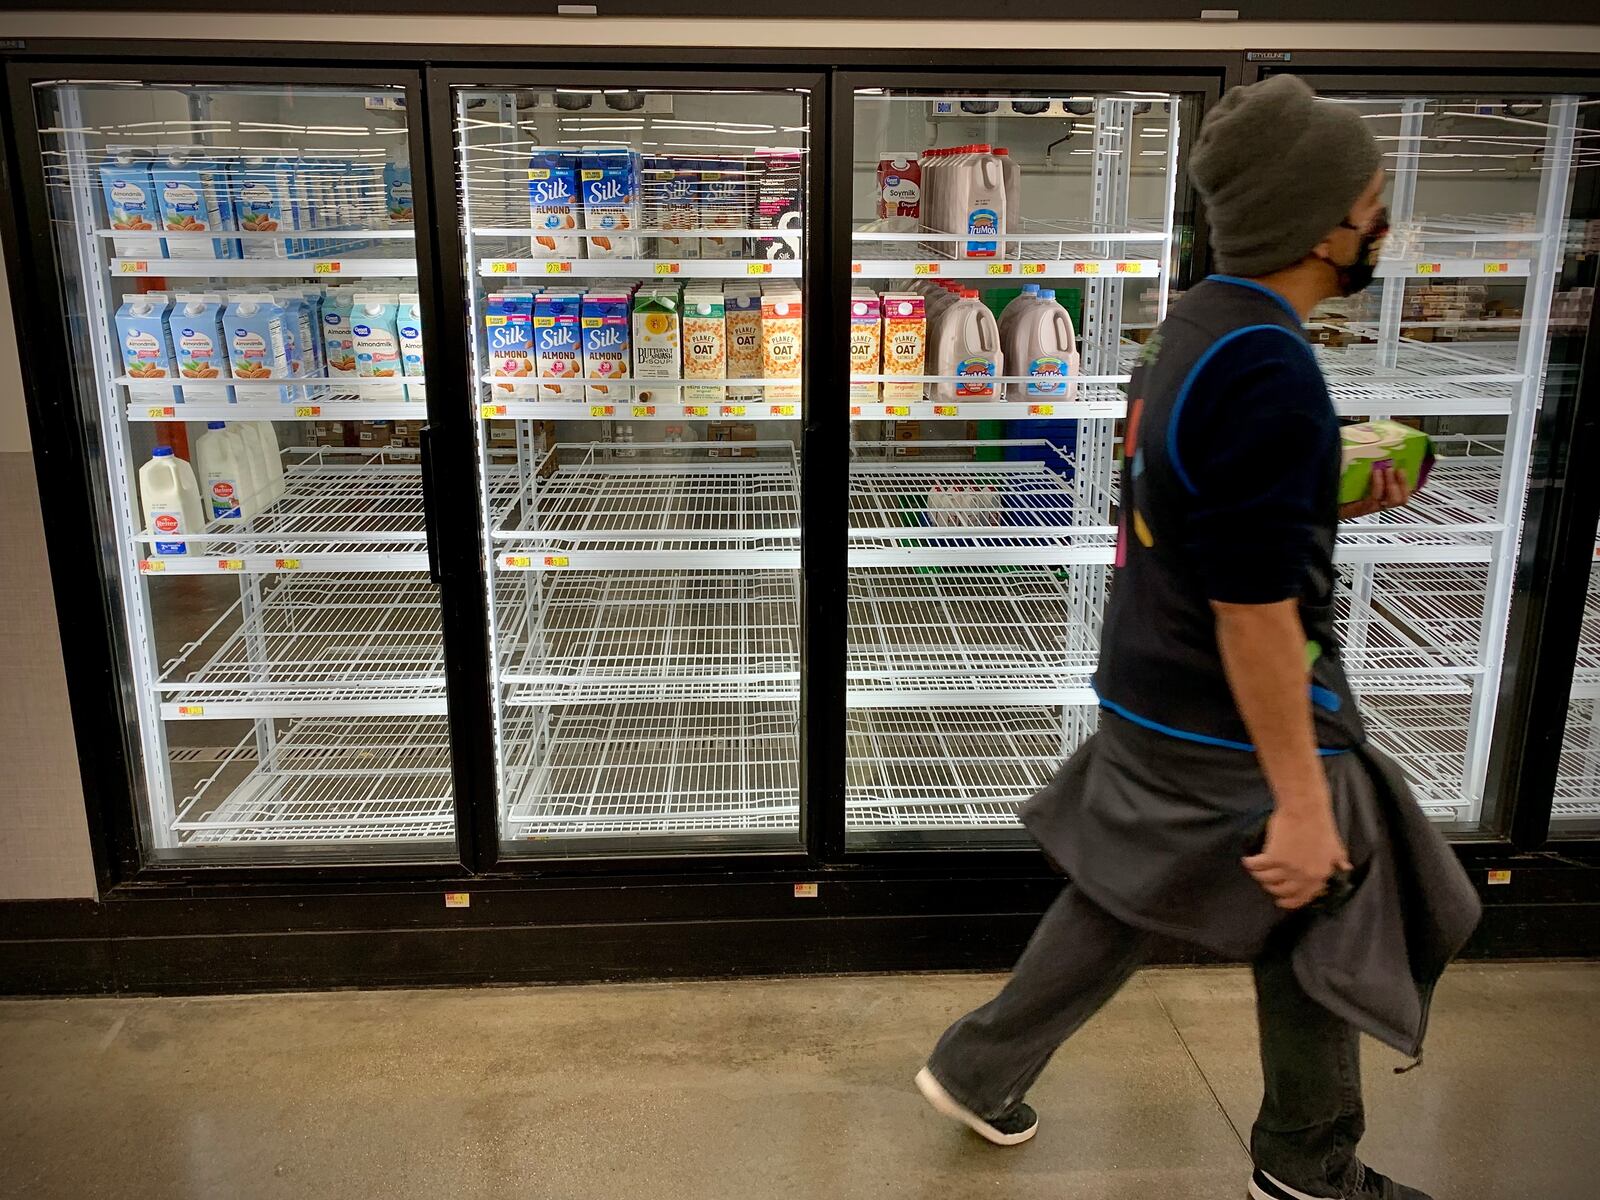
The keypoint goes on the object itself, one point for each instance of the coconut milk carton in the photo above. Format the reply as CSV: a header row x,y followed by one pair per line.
x,y
553,204
558,345
657,342
508,333
742,306
200,344
609,180
146,346
607,353
131,203
256,347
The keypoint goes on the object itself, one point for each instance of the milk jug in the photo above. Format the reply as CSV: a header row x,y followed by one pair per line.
x,y
975,203
1011,176
171,500
1040,342
1008,315
227,474
967,348
262,441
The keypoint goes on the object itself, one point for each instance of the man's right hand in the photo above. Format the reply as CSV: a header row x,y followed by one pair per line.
x,y
1302,852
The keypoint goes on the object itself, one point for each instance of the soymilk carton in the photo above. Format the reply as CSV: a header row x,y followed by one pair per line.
x,y
508,333
146,346
413,365
657,342
742,307
609,180
256,349
553,204
375,329
131,203
338,343
866,344
200,344
781,334
705,344
607,354
264,202
558,344
905,344
193,196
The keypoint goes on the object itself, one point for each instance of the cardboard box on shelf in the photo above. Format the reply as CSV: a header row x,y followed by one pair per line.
x,y
906,434
408,434
375,435
503,434
724,432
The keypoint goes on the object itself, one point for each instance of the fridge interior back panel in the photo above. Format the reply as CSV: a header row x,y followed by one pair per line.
x,y
635,257
240,284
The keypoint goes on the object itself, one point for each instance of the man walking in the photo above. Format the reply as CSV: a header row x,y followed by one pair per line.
x,y
1229,797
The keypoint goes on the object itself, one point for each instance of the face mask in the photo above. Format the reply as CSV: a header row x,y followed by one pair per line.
x,y
1359,274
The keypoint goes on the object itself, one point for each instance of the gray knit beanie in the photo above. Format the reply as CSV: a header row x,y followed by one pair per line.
x,y
1278,170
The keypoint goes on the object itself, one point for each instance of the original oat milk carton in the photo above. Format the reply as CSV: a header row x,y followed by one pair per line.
x,y
905,344
742,304
866,344
781,333
705,345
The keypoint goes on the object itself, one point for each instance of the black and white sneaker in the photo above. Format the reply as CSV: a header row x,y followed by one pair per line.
x,y
1369,1185
1011,1128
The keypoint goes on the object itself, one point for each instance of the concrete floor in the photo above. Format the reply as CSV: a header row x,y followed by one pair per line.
x,y
751,1090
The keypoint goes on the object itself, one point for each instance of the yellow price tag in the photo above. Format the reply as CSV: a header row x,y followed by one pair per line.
x,y
1496,268
151,565
493,410
733,410
1033,268
896,410
555,560
758,268
331,267
1086,268
644,410
696,410
1432,268
946,410
999,268
601,410
782,410
502,268
308,410
925,268
1127,268
558,268
667,268
191,710
1041,410
230,564
518,560
155,414
134,268
287,564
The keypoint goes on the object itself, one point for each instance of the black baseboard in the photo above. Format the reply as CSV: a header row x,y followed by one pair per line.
x,y
522,932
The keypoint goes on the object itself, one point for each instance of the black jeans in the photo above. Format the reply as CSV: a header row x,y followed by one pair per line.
x,y
1311,1116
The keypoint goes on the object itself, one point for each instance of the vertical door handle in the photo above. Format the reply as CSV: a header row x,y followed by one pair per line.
x,y
430,516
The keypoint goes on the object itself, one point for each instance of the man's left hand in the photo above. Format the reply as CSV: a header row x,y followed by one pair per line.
x,y
1389,490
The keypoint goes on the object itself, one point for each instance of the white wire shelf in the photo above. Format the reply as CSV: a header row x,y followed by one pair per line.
x,y
316,645
1453,268
632,770
917,511
1092,401
966,636
1427,736
332,403
371,779
640,268
1065,267
1439,606
248,236
1453,518
1577,789
337,267
601,509
1032,232
648,636
646,407
699,234
952,768
342,510
1586,669
1428,379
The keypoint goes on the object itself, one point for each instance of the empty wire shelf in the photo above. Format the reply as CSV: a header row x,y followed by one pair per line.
x,y
369,779
1577,791
648,635
636,770
315,645
1427,736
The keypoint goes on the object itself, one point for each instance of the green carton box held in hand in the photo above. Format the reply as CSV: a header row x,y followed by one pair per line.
x,y
1371,444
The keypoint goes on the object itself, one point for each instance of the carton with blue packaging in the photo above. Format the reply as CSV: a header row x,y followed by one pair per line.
x,y
413,364
375,328
256,347
397,192
296,338
264,203
553,204
558,345
609,180
508,333
146,346
338,344
200,345
607,348
192,193
131,204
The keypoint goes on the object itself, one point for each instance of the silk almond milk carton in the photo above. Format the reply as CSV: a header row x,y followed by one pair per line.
x,y
607,353
558,345
781,331
743,308
508,332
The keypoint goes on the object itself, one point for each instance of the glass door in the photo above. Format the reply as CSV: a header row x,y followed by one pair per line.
x,y
240,281
1013,249
637,308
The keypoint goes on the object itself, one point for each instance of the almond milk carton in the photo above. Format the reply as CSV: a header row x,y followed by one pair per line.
x,y
705,345
508,335
558,345
781,332
607,352
743,308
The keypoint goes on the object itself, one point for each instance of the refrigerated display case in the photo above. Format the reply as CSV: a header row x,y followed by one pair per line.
x,y
983,439
637,309
240,279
